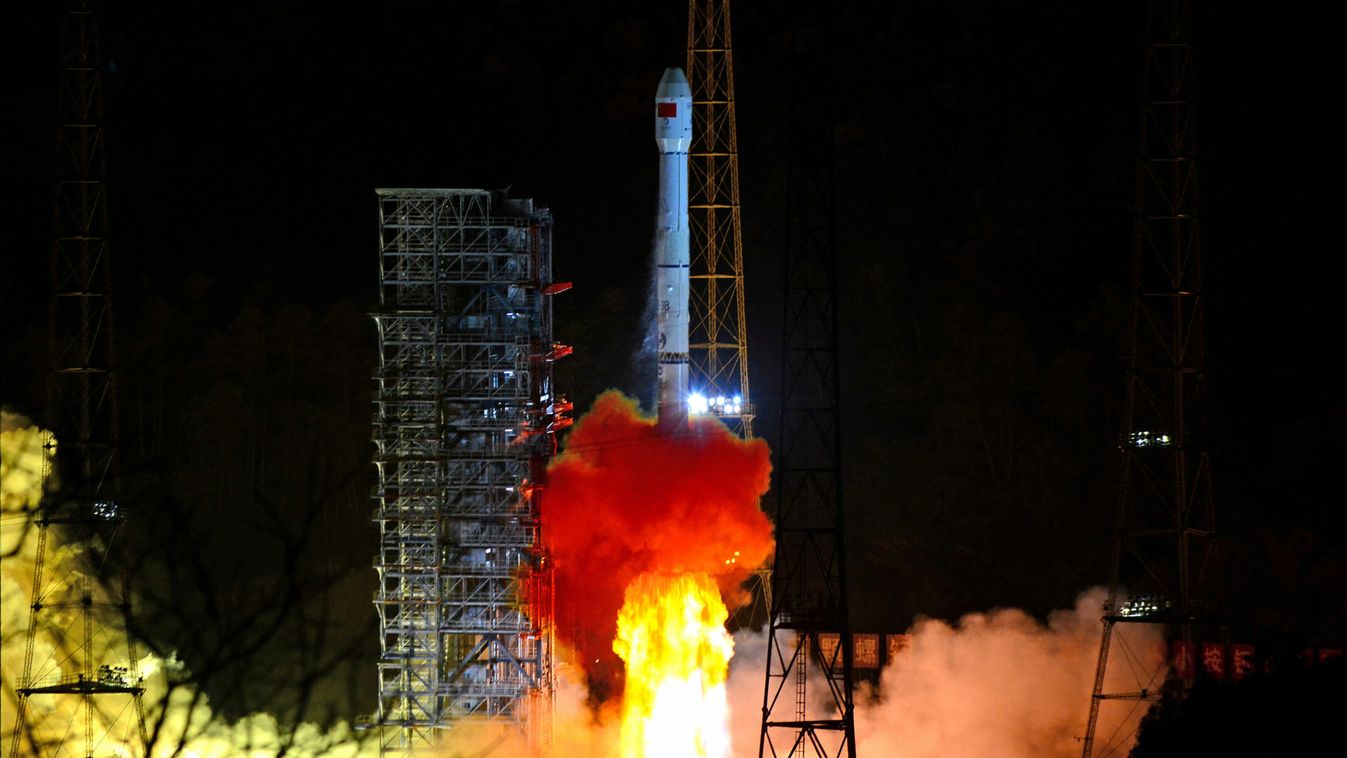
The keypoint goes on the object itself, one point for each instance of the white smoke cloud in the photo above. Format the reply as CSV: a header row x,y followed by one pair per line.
x,y
999,683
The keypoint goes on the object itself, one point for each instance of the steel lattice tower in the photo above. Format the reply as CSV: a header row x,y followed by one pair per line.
x,y
464,423
809,593
1163,543
73,596
718,338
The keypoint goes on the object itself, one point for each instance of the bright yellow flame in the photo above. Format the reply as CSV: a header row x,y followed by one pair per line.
x,y
671,634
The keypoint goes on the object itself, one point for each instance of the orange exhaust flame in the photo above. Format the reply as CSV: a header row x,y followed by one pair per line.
x,y
671,635
628,498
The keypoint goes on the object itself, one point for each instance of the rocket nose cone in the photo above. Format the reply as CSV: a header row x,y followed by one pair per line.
x,y
673,84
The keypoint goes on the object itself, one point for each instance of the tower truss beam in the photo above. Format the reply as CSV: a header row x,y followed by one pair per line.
x,y
74,599
462,429
718,333
808,582
1163,551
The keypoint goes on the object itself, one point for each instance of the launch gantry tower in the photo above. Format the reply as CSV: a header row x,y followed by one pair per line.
x,y
1163,551
718,330
809,586
463,429
75,602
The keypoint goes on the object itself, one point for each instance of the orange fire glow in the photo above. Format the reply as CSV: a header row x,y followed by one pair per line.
x,y
628,498
671,636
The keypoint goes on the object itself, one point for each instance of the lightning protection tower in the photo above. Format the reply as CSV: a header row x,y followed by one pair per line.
x,y
718,338
808,624
1162,559
465,412
84,676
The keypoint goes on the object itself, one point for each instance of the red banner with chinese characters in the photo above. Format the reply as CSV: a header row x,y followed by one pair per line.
x,y
1183,659
865,651
1241,661
1216,659
827,648
1213,660
895,644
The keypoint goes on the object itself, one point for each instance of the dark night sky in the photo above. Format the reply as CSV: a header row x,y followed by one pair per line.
x,y
985,178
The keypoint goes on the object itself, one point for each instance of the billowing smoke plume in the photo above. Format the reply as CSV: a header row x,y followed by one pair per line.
x,y
627,498
998,683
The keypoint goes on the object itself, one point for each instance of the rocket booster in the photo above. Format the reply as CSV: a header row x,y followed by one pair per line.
x,y
673,136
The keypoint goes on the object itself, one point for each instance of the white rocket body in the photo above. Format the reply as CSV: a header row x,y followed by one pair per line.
x,y
673,135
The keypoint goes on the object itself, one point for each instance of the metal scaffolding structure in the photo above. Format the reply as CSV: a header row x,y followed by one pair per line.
x,y
718,330
75,602
809,580
463,428
1162,558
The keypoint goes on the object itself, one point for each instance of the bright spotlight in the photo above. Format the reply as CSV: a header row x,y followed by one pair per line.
x,y
697,404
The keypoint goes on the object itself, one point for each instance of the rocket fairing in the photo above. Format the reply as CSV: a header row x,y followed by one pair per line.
x,y
673,136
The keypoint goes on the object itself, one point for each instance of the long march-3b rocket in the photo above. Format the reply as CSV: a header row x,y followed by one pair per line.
x,y
673,136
